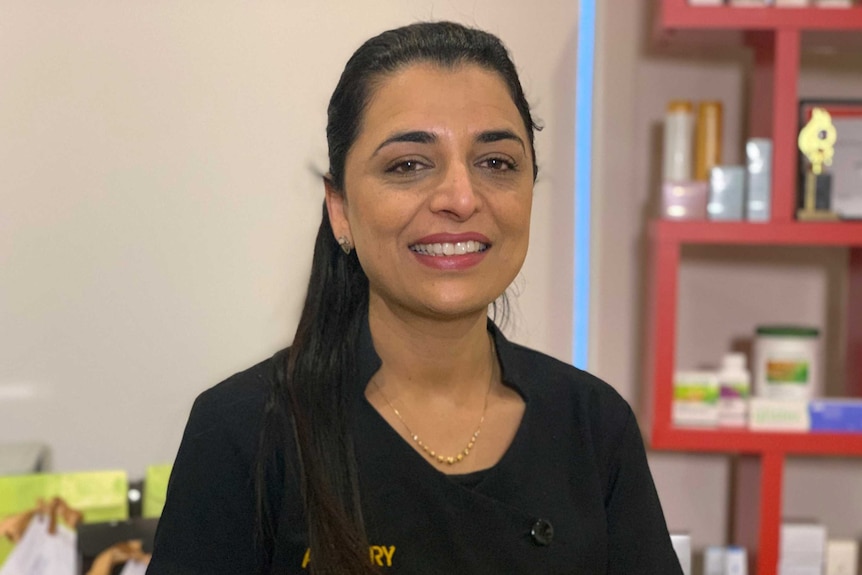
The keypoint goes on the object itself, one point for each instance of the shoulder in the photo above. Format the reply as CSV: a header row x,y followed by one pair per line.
x,y
542,376
234,409
573,402
209,519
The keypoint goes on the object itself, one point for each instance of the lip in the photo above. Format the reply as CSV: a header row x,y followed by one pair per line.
x,y
453,262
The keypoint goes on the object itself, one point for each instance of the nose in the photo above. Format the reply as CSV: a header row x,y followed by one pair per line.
x,y
456,195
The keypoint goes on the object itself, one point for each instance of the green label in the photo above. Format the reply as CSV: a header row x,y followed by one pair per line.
x,y
787,371
695,393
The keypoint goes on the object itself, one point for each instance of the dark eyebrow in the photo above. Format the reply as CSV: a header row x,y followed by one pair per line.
x,y
498,135
417,137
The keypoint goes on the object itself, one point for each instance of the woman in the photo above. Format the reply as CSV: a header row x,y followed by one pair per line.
x,y
401,432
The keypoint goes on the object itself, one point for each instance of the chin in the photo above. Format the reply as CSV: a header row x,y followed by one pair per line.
x,y
457,309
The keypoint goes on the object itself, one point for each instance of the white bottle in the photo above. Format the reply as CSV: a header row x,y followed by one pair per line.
x,y
713,560
736,561
678,142
734,382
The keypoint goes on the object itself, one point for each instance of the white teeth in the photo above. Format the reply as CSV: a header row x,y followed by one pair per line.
x,y
449,249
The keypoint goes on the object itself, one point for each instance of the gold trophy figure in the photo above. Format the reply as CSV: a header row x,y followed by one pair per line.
x,y
817,142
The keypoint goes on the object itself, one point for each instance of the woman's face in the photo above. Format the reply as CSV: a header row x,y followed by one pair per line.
x,y
437,191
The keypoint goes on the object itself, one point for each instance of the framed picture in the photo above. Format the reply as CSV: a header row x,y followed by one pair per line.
x,y
842,184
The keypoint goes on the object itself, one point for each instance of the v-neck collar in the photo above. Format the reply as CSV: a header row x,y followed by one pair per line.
x,y
368,362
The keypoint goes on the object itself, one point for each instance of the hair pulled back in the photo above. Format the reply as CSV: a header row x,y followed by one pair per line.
x,y
308,403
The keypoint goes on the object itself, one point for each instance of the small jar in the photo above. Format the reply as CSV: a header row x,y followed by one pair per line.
x,y
786,362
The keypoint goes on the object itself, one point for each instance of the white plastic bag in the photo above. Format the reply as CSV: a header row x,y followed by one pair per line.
x,y
40,553
134,568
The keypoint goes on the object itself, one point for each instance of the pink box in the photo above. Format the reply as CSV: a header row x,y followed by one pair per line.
x,y
684,200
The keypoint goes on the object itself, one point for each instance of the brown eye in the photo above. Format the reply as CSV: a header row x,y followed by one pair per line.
x,y
499,164
406,167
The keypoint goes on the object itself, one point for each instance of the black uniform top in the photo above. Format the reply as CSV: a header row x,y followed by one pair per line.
x,y
572,494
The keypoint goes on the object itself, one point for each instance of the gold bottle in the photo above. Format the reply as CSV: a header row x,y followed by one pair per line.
x,y
708,139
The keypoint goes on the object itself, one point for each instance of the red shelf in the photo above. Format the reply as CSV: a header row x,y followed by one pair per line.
x,y
678,14
840,234
775,37
758,442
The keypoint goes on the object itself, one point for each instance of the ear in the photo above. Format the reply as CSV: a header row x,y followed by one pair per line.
x,y
336,207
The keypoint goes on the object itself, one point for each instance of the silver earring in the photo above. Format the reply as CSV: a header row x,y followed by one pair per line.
x,y
345,244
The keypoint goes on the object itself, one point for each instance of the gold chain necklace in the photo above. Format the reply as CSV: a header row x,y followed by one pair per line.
x,y
451,460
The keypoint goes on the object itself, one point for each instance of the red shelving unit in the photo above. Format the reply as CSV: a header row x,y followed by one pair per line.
x,y
678,14
775,36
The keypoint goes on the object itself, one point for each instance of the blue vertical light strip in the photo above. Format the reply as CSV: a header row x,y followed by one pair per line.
x,y
583,180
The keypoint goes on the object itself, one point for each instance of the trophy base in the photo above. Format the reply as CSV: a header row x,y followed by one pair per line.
x,y
816,216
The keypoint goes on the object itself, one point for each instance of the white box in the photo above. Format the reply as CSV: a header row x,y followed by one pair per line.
x,y
713,561
726,193
802,545
842,557
735,561
778,415
797,570
758,153
682,545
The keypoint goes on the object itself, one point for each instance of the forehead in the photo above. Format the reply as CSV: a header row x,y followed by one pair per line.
x,y
426,95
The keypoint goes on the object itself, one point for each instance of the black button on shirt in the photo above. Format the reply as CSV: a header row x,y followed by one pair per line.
x,y
542,532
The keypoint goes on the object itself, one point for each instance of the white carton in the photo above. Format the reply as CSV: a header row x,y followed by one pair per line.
x,y
778,415
842,557
682,545
803,545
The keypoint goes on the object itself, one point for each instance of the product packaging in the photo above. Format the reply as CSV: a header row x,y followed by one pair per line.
x,y
684,200
713,560
836,415
778,415
731,560
682,546
695,399
678,134
734,382
708,139
842,557
802,548
735,561
758,153
786,362
726,193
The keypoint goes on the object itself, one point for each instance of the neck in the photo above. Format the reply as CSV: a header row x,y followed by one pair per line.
x,y
429,354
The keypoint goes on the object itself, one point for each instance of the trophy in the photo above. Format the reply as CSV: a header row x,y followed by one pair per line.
x,y
817,143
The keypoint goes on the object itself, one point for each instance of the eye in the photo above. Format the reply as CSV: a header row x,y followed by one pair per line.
x,y
499,164
406,167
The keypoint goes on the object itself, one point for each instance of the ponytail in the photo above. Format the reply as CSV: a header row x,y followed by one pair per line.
x,y
310,395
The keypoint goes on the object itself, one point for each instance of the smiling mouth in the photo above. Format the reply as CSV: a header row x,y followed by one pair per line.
x,y
449,248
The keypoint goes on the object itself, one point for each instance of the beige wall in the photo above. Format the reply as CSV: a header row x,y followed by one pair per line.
x,y
159,197
723,293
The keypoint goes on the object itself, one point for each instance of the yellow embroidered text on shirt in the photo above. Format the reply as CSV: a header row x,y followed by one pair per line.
x,y
380,555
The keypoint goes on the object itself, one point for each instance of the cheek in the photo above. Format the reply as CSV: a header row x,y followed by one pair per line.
x,y
514,216
376,220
